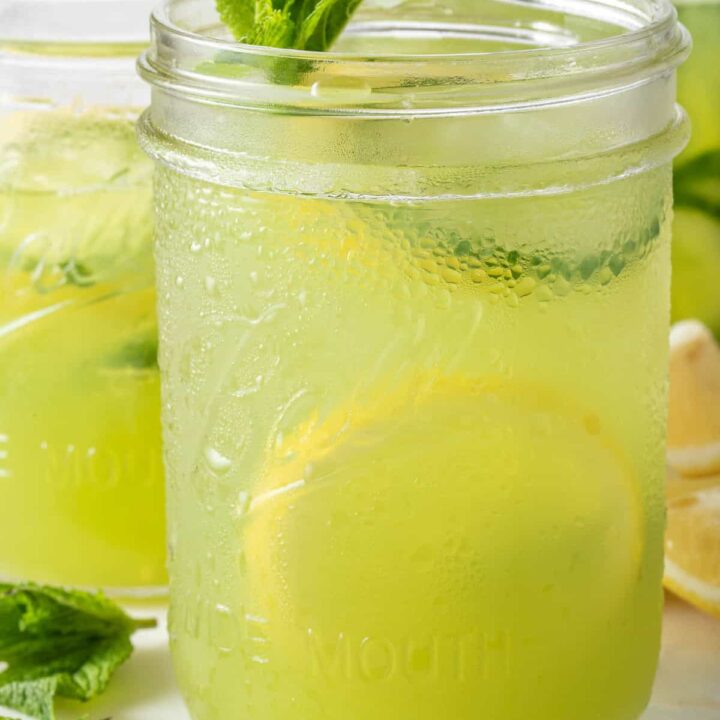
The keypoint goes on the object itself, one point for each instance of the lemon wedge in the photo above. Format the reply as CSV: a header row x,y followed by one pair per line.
x,y
692,544
694,420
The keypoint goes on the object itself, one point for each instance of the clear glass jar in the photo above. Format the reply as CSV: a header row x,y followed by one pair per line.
x,y
414,307
696,230
81,482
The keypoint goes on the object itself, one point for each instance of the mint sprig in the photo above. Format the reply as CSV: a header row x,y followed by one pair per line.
x,y
299,24
59,643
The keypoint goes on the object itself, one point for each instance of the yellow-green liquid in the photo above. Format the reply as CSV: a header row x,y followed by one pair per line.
x,y
81,482
415,451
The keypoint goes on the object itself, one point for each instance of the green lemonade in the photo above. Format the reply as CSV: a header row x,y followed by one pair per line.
x,y
414,306
415,451
81,482
696,231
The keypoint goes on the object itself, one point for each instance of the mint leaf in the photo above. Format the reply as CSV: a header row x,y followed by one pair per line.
x,y
321,27
58,643
238,15
272,27
77,274
299,24
140,353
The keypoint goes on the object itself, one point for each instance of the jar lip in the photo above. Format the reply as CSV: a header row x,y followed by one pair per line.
x,y
665,20
187,61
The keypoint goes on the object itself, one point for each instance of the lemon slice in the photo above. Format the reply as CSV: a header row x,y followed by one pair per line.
x,y
432,507
692,545
694,420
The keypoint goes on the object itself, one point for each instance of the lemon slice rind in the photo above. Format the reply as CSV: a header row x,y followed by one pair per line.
x,y
695,460
690,588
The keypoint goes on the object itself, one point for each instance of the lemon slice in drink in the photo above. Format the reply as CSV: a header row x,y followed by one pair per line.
x,y
437,505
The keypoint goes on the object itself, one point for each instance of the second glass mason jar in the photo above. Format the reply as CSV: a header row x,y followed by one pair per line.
x,y
81,482
414,309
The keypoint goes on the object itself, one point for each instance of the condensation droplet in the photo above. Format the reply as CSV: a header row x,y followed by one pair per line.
x,y
217,461
243,503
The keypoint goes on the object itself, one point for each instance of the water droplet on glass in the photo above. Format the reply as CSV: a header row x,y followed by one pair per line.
x,y
217,461
243,503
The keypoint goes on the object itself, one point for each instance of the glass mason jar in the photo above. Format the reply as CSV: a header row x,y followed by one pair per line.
x,y
81,482
696,230
414,308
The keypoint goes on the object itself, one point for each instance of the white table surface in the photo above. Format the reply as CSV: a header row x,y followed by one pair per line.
x,y
688,683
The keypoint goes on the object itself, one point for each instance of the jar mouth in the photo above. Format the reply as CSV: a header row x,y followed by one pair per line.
x,y
503,52
634,21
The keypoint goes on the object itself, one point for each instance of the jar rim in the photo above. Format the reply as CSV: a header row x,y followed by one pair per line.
x,y
664,18
191,62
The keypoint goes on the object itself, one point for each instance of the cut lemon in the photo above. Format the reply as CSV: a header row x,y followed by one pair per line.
x,y
433,507
694,420
692,545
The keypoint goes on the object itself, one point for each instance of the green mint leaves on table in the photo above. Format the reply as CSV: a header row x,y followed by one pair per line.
x,y
299,24
58,643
